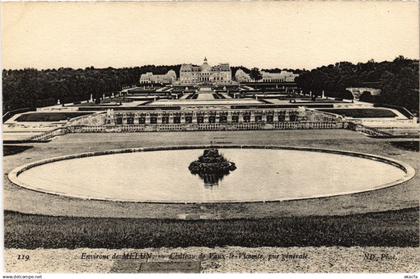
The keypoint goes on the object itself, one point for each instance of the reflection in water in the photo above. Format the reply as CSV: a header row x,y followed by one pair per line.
x,y
211,179
211,167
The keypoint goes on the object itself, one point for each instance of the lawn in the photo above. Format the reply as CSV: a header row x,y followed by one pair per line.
x,y
407,145
362,113
49,116
14,149
392,228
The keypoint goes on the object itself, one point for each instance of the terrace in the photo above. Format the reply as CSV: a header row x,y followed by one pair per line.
x,y
212,101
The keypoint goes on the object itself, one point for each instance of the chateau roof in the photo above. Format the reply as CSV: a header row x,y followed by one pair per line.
x,y
190,68
221,67
186,67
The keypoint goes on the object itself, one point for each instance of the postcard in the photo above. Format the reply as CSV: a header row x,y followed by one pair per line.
x,y
211,137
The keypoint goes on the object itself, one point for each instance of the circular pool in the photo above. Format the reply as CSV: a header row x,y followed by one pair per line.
x,y
162,175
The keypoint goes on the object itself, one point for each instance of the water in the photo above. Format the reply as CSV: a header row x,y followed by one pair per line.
x,y
261,175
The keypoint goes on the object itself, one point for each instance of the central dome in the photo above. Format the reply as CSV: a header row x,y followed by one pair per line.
x,y
205,66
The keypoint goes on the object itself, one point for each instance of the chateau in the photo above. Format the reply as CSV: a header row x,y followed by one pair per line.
x,y
193,75
283,76
241,76
205,74
149,77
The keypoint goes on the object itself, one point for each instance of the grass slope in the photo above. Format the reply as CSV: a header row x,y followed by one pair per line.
x,y
14,149
362,113
48,116
392,228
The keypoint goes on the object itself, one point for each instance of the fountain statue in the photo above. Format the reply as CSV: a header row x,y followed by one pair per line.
x,y
211,167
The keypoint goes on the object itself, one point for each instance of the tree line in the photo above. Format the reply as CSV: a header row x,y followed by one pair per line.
x,y
30,88
398,80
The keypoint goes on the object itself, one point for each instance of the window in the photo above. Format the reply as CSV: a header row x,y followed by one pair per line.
x,y
119,120
235,118
200,119
212,119
165,120
177,119
130,120
153,119
247,118
270,119
282,117
223,119
293,116
188,119
258,118
142,120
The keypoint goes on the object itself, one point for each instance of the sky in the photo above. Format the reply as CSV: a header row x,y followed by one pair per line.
x,y
285,34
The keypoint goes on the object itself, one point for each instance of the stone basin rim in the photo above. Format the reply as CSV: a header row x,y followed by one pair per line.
x,y
409,171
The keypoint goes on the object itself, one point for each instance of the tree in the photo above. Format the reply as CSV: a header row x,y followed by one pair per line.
x,y
255,74
29,88
366,96
398,80
346,94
